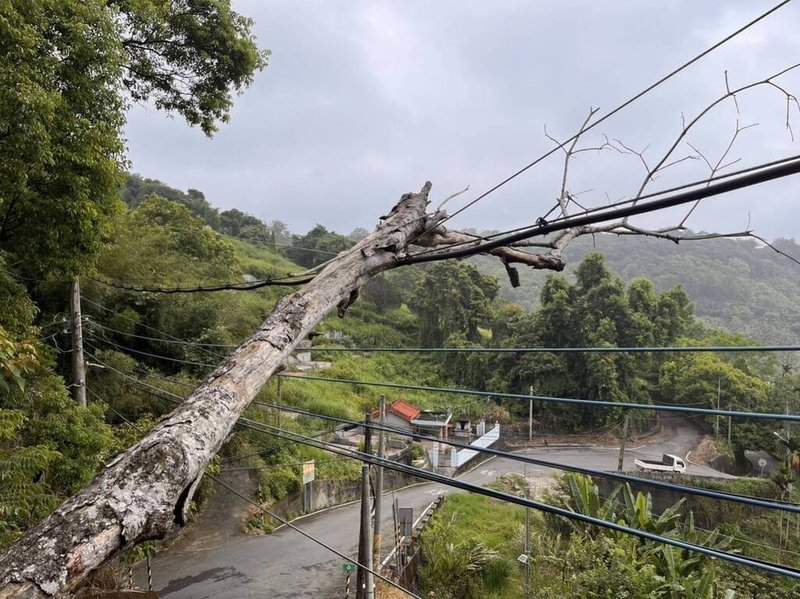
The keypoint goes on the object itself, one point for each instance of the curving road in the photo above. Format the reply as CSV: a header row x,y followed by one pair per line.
x,y
286,565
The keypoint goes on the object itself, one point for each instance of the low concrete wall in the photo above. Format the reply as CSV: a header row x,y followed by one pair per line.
x,y
462,456
329,493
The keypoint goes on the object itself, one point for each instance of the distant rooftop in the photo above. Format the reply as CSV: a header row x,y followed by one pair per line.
x,y
433,418
405,410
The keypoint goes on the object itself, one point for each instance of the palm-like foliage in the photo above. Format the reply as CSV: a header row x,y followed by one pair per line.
x,y
686,575
792,447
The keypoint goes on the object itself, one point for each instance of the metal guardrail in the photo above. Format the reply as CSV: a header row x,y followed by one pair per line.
x,y
425,515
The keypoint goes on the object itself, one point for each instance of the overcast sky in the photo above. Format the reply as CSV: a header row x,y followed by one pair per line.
x,y
363,101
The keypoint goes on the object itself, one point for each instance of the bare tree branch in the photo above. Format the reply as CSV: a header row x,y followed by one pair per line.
x,y
443,237
564,196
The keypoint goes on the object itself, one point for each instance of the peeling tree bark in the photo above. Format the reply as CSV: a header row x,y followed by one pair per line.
x,y
145,491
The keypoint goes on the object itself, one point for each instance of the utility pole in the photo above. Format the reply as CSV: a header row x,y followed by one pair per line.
x,y
530,415
376,546
364,584
729,424
280,400
716,427
78,362
527,536
622,442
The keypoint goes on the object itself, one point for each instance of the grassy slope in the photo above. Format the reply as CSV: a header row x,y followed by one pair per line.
x,y
499,525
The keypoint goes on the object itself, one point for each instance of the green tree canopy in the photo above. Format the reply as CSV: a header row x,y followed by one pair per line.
x,y
68,68
452,298
317,246
187,56
596,311
61,115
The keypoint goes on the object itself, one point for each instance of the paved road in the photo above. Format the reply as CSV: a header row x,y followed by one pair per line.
x,y
285,565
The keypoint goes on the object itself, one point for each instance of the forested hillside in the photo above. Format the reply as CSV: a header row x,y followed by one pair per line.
x,y
739,285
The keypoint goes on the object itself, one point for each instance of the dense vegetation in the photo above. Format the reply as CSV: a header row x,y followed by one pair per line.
x,y
471,547
737,285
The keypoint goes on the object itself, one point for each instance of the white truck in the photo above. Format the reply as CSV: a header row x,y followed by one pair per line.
x,y
668,463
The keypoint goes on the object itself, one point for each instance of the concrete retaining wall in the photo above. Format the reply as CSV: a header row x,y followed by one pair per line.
x,y
329,493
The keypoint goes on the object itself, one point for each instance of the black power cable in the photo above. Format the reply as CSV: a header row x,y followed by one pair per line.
x,y
580,220
744,499
612,113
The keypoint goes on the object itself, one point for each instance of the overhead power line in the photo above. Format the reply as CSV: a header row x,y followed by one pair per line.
x,y
288,524
662,192
581,220
281,464
96,323
309,536
566,400
456,483
608,115
563,350
522,501
288,281
655,194
145,326
744,499
149,354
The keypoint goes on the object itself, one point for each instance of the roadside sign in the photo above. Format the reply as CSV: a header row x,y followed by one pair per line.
x,y
308,472
348,567
406,515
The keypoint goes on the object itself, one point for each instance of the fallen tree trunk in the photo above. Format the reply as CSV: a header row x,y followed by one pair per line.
x,y
144,492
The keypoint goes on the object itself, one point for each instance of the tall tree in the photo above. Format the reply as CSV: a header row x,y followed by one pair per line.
x,y
67,69
452,298
596,311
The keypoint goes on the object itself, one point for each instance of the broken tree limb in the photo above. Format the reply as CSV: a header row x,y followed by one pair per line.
x,y
145,491
441,237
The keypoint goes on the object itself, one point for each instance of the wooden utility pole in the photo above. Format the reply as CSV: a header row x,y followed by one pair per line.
x,y
621,461
376,538
364,582
78,361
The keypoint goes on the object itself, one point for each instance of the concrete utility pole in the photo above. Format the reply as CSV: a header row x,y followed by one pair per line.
x,y
527,541
716,426
622,442
376,538
530,416
78,362
364,583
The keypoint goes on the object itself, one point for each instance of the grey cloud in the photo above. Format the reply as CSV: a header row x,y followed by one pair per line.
x,y
366,100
